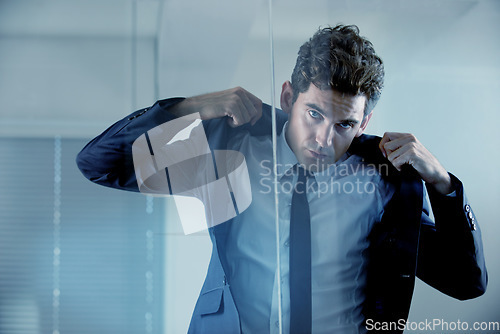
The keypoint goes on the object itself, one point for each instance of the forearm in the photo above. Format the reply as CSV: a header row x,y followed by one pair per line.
x,y
185,107
441,182
451,252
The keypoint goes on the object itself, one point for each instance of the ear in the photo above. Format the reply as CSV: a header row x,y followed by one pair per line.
x,y
364,124
286,97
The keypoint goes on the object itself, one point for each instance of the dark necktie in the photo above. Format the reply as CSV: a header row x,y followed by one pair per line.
x,y
300,258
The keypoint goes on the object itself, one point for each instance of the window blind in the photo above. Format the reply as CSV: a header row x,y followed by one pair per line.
x,y
75,257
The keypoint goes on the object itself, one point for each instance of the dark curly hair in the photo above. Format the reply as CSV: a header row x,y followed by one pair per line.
x,y
339,58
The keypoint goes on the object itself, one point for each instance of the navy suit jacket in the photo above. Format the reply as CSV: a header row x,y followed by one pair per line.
x,y
447,254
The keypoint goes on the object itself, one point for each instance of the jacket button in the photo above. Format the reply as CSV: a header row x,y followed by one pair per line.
x,y
470,215
473,226
467,208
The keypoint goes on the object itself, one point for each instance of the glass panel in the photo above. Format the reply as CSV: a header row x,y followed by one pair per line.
x,y
204,48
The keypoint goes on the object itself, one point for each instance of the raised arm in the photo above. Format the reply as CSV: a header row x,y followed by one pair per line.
x,y
107,159
450,256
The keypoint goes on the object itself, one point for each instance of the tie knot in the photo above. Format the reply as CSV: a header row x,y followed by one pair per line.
x,y
302,176
303,173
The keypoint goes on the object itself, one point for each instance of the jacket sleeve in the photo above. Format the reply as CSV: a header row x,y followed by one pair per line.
x,y
107,159
450,256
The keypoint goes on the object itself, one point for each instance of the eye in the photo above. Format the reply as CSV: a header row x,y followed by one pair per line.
x,y
345,125
314,114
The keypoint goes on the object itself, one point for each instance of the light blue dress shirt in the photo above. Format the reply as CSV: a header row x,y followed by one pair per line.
x,y
345,201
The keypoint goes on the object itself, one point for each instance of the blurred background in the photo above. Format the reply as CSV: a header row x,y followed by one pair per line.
x,y
80,258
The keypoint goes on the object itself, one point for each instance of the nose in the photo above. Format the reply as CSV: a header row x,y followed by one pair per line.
x,y
324,136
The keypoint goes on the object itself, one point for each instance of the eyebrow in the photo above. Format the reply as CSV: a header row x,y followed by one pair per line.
x,y
321,111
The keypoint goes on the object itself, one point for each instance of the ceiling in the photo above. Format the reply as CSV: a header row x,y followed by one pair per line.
x,y
110,18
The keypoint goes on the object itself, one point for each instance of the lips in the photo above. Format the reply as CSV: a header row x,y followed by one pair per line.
x,y
317,155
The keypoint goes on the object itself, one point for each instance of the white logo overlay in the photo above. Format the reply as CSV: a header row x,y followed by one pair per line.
x,y
209,187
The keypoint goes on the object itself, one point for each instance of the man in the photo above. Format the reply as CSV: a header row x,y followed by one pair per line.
x,y
365,246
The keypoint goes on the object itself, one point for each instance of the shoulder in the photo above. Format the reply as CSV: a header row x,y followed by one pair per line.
x,y
366,147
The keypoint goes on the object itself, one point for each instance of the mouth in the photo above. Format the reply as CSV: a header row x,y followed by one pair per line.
x,y
317,155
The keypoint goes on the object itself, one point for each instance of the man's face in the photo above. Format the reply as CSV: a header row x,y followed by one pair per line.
x,y
322,124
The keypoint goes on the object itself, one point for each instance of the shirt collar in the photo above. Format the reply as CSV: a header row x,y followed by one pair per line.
x,y
285,156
